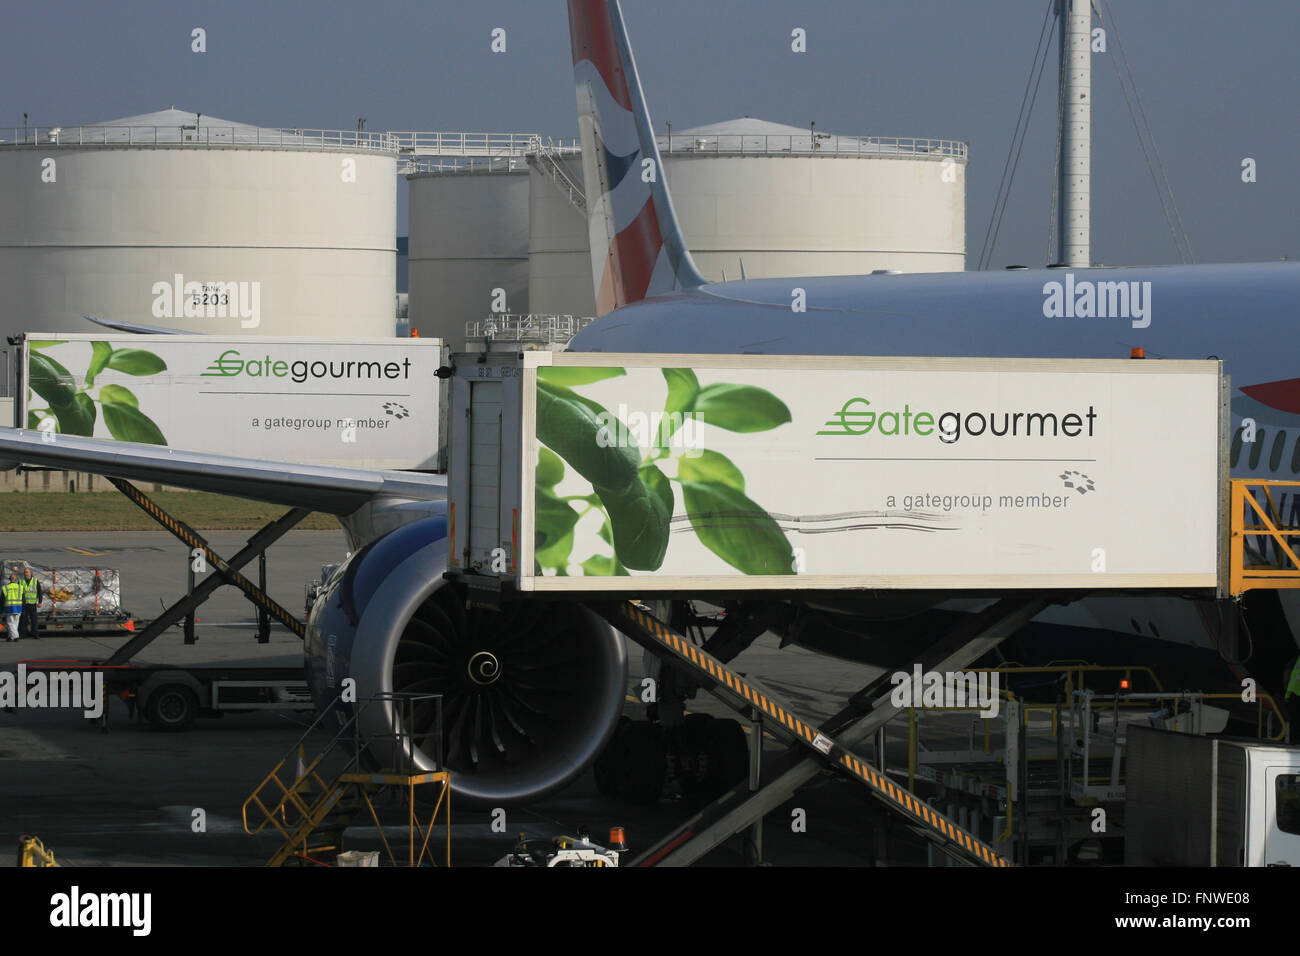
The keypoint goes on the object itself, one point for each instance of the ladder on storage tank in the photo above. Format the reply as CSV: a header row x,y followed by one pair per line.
x,y
313,805
651,633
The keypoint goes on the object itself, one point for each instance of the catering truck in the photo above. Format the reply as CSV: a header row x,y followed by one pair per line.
x,y
1210,801
602,473
362,403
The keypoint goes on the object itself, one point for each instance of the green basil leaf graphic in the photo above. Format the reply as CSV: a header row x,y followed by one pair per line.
x,y
599,566
557,555
50,380
45,343
550,469
683,386
130,424
102,351
555,519
659,485
736,529
639,519
136,362
564,375
598,446
118,395
707,465
740,408
595,444
77,417
36,416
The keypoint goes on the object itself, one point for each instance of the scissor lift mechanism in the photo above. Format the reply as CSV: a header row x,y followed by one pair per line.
x,y
816,749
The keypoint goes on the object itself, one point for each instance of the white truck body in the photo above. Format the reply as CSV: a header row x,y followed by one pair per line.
x,y
1210,801
364,403
798,472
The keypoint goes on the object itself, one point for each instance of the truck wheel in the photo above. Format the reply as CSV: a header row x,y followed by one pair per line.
x,y
172,707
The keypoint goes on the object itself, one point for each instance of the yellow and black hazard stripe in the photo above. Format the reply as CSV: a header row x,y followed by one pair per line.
x,y
898,798
192,538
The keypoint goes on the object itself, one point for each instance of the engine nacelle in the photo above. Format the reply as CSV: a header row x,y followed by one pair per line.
x,y
531,692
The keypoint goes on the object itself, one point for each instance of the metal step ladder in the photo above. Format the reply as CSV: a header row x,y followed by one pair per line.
x,y
641,626
546,158
313,808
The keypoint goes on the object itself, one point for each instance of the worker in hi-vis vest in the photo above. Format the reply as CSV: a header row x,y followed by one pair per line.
x,y
13,604
27,627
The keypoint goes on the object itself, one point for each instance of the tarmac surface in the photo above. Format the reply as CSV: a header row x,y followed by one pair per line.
x,y
131,795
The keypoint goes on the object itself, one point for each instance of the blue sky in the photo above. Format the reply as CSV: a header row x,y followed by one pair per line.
x,y
1218,82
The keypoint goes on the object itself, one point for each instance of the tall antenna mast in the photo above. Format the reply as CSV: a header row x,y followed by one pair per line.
x,y
1075,18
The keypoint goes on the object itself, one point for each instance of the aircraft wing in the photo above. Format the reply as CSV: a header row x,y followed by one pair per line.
x,y
333,490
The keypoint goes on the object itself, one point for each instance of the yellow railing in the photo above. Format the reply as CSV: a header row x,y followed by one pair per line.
x,y
32,852
1285,574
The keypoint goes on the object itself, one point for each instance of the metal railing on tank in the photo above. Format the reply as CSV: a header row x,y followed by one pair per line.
x,y
550,330
199,135
813,144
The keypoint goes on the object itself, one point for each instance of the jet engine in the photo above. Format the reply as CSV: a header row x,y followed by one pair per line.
x,y
532,691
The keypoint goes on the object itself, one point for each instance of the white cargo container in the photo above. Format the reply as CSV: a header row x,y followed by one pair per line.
x,y
576,472
1209,801
365,403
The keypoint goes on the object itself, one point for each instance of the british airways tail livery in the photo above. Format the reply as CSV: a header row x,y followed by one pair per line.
x,y
631,216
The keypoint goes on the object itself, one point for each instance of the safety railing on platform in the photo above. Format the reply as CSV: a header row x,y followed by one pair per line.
x,y
1271,559
554,330
295,803
198,134
813,144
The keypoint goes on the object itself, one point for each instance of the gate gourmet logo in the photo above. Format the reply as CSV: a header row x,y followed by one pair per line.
x,y
857,418
1086,299
230,365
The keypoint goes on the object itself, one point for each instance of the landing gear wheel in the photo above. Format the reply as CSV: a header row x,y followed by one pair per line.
x,y
713,755
632,766
172,707
728,750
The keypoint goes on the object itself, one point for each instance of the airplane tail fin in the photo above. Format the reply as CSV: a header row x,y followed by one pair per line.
x,y
637,249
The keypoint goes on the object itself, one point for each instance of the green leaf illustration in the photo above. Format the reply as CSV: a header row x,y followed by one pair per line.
x,y
740,408
736,529
126,423
136,362
599,566
683,387
118,395
102,351
76,417
555,519
569,377
38,415
710,466
557,555
51,381
550,469
46,343
589,438
659,485
640,521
